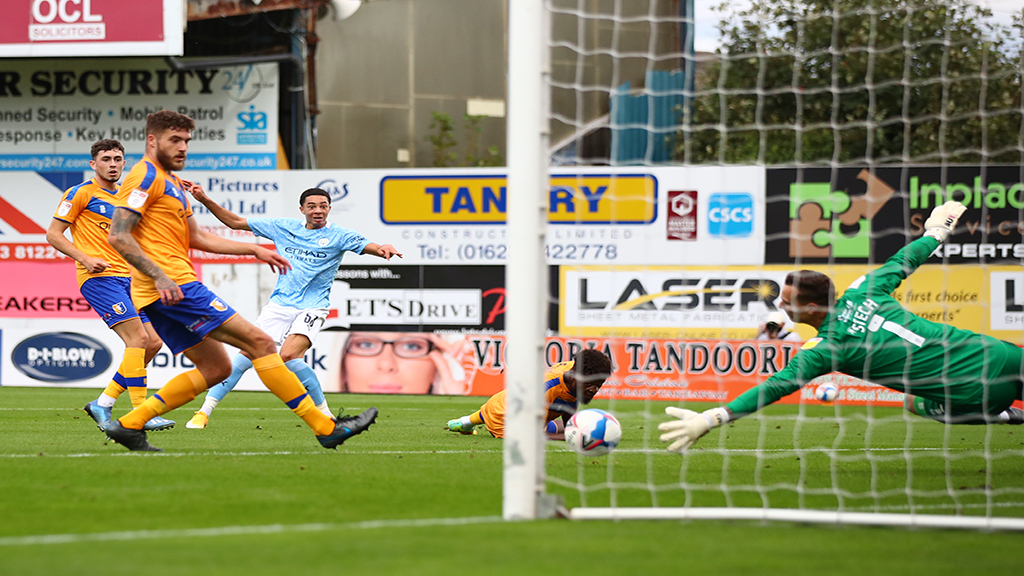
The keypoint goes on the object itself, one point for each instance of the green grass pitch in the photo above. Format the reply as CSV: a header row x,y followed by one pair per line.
x,y
255,494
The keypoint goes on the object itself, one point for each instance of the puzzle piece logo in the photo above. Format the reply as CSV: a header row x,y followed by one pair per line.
x,y
833,223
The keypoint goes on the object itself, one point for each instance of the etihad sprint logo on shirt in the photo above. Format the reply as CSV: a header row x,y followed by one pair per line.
x,y
572,199
666,297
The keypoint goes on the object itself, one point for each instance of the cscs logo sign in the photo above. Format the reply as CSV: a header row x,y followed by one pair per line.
x,y
61,357
731,214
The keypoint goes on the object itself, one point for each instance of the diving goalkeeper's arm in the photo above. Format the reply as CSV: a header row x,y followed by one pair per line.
x,y
818,356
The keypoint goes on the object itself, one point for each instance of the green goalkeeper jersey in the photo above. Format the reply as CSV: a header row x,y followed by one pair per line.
x,y
871,336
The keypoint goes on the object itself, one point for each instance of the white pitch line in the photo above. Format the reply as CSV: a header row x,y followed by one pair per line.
x,y
268,453
655,452
240,530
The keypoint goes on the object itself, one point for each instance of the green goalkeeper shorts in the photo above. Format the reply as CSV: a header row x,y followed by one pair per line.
x,y
1000,397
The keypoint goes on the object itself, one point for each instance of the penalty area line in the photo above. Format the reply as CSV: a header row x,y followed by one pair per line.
x,y
241,530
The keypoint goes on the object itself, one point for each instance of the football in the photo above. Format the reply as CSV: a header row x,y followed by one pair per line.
x,y
826,392
593,432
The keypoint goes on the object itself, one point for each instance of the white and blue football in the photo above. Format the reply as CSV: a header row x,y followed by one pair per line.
x,y
593,432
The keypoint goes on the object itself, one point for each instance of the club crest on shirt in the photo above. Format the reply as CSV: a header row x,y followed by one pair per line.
x,y
64,208
137,199
217,305
323,242
119,308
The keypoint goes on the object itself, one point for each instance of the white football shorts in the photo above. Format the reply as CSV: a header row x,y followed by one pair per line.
x,y
281,321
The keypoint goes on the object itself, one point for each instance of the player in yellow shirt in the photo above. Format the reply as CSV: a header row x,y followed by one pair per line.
x,y
153,229
103,278
566,384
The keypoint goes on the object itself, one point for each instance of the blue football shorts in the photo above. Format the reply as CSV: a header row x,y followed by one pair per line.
x,y
111,298
188,322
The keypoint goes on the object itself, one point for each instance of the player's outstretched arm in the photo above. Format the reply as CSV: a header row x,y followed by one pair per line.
x,y
55,236
813,360
120,238
903,263
385,251
203,240
229,218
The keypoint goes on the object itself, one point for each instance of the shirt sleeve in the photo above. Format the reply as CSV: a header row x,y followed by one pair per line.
x,y
264,227
70,207
890,275
560,401
812,361
353,241
141,189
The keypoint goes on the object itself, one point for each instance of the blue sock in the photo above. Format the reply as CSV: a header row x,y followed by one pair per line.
x,y
308,378
239,365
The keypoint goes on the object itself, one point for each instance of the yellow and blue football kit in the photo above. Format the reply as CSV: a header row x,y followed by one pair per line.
x,y
162,232
87,209
558,396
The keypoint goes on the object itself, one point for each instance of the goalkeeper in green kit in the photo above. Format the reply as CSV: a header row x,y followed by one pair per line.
x,y
951,375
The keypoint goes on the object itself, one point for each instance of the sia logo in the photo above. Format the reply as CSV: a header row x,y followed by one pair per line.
x,y
832,223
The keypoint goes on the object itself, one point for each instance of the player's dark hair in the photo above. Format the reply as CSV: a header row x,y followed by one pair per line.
x,y
812,288
313,192
591,365
104,145
159,122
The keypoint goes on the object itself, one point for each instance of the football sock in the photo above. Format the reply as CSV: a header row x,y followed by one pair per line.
x,y
475,418
117,384
239,365
106,400
209,403
309,380
133,372
179,391
286,386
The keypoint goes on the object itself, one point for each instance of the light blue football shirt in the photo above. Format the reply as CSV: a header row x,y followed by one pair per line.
x,y
314,254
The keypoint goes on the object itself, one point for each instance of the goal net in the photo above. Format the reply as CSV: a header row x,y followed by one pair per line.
x,y
694,160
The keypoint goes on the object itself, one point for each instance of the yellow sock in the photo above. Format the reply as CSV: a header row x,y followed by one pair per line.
x,y
286,386
476,419
179,391
114,389
132,373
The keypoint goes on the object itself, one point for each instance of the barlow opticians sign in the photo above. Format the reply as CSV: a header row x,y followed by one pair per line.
x,y
48,28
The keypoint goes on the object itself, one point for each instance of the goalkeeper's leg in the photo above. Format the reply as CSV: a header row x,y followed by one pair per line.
x,y
963,414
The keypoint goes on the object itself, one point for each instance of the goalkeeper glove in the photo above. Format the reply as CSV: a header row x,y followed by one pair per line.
x,y
943,219
690,426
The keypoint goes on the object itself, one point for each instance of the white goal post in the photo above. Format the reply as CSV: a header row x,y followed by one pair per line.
x,y
811,134
526,271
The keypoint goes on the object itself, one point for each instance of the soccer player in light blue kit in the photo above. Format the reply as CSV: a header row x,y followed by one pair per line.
x,y
299,304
